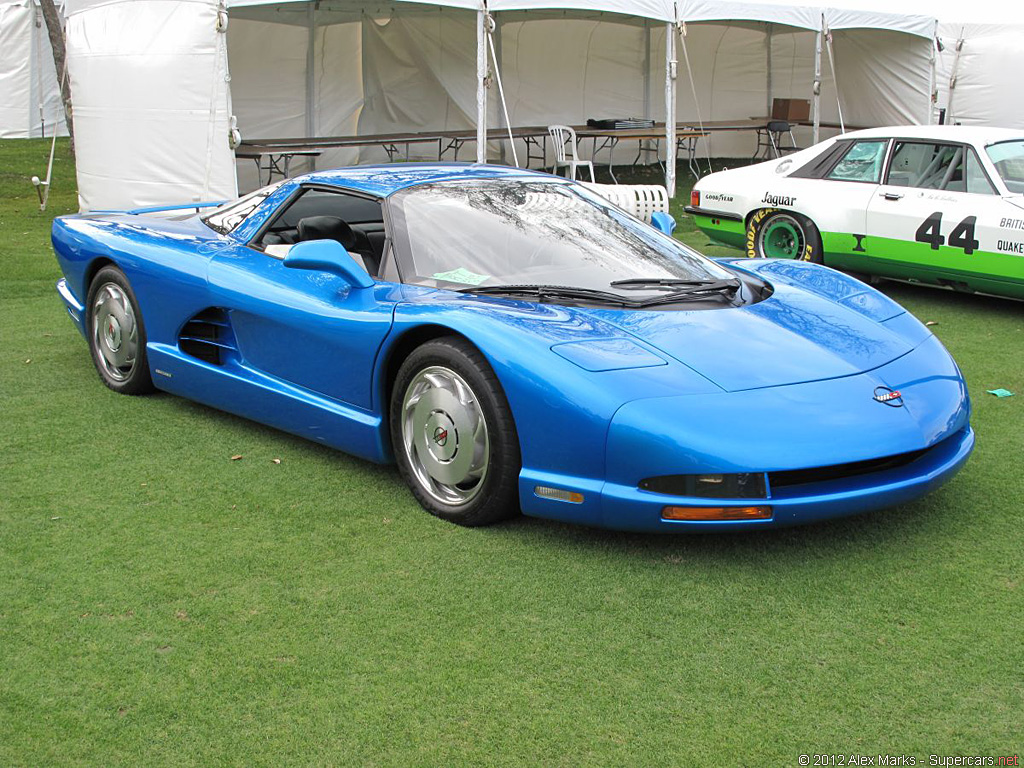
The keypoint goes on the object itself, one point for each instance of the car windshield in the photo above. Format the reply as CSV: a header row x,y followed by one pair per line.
x,y
1008,158
488,232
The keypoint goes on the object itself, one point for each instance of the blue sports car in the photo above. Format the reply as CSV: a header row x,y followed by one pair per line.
x,y
516,343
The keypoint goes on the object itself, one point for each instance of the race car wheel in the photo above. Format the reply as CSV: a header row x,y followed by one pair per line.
x,y
117,336
453,434
774,234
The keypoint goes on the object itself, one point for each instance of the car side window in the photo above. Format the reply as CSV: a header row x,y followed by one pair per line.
x,y
977,180
227,217
930,165
355,221
862,162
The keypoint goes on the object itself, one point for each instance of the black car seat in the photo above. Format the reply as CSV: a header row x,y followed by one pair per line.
x,y
327,228
334,228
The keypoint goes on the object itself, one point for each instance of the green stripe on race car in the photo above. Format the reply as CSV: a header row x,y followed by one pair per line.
x,y
725,231
984,271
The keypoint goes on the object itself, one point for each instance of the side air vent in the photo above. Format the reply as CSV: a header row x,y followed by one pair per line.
x,y
208,336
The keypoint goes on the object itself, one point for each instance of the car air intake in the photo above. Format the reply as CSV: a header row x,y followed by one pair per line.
x,y
793,477
208,336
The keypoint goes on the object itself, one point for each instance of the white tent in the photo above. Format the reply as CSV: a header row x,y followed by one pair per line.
x,y
30,104
155,102
980,59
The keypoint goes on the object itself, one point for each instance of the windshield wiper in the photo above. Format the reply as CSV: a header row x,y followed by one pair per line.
x,y
696,292
639,283
555,292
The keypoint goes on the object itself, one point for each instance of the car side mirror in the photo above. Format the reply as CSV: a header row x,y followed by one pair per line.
x,y
663,222
328,256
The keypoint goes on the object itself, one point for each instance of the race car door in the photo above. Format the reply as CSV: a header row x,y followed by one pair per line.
x,y
935,218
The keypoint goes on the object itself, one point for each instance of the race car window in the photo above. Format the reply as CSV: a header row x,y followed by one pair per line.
x,y
228,216
862,162
823,163
929,165
1008,158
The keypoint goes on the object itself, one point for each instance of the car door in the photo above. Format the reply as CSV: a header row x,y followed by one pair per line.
x,y
936,216
305,327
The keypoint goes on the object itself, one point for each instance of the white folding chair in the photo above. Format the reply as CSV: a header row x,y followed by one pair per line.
x,y
562,135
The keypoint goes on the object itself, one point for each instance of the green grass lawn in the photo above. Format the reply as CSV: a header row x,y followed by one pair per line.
x,y
161,604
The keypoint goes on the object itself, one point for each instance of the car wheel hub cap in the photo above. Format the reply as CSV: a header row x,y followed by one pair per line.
x,y
444,436
115,332
112,334
782,238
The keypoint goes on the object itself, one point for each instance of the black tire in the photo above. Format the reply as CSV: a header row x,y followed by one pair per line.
x,y
116,333
772,233
427,404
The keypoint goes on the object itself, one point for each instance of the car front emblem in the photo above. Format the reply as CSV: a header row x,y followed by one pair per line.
x,y
888,396
441,436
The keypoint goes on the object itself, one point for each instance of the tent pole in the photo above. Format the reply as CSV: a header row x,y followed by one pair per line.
x,y
768,70
817,83
311,76
647,69
481,83
933,96
670,109
497,57
954,72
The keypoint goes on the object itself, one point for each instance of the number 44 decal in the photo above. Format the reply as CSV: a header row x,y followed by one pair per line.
x,y
962,235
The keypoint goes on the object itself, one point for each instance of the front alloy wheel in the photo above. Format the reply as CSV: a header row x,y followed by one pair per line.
x,y
117,336
444,436
453,434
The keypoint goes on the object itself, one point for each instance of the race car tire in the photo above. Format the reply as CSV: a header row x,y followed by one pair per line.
x,y
453,434
117,334
775,234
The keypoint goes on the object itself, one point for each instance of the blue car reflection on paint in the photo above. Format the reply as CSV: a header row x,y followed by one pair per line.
x,y
516,344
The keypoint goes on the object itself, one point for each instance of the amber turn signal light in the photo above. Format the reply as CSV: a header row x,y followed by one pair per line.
x,y
716,513
558,494
695,198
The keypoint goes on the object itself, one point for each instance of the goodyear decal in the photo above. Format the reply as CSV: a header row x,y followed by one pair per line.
x,y
718,197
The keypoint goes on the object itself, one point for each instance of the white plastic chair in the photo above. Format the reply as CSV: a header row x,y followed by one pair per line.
x,y
561,135
641,200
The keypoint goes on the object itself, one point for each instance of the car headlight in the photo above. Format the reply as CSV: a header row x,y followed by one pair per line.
x,y
742,485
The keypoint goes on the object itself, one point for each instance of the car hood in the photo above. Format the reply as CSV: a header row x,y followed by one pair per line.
x,y
797,335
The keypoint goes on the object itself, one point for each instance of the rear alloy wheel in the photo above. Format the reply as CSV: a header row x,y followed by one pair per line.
x,y
117,337
453,434
773,234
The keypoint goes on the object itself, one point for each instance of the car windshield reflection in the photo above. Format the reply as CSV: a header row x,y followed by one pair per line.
x,y
467,233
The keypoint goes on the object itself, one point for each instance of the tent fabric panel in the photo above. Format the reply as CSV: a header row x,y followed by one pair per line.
x,y
152,107
658,10
356,6
988,70
419,74
878,15
770,11
269,94
882,80
16,22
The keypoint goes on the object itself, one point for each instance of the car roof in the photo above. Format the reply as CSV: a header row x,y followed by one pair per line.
x,y
970,134
383,180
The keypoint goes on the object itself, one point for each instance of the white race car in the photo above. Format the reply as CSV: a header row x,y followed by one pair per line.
x,y
942,205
